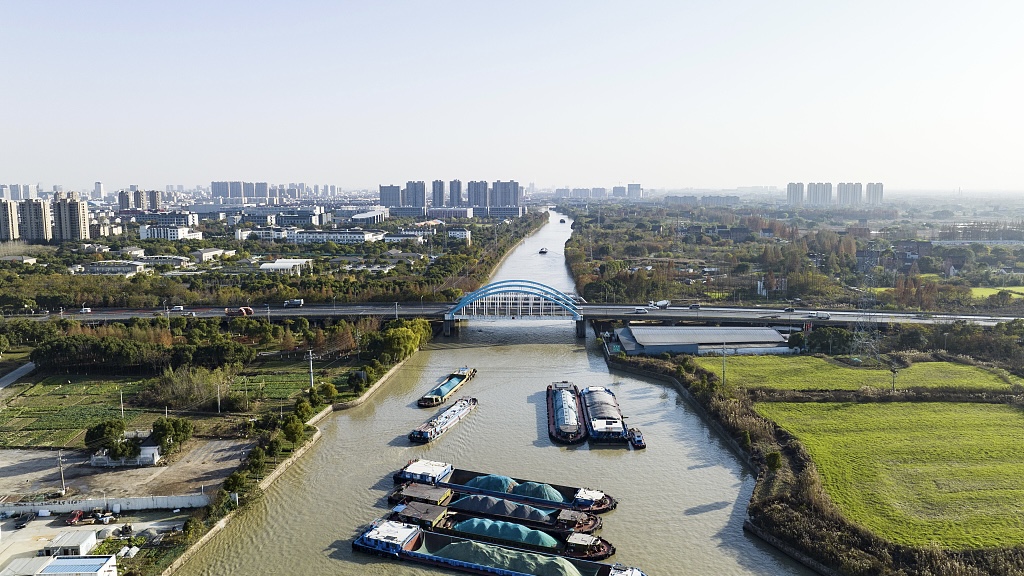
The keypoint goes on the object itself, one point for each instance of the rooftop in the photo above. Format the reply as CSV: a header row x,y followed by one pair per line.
x,y
683,335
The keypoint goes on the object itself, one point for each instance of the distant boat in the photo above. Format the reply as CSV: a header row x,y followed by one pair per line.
x,y
543,250
562,221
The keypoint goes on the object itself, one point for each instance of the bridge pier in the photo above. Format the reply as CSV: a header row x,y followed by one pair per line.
x,y
447,327
581,328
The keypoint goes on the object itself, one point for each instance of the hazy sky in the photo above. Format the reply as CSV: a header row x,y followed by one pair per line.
x,y
918,95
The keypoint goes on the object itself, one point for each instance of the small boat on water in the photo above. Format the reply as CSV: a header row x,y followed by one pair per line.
x,y
565,413
543,250
443,422
482,506
506,532
525,491
443,391
636,439
561,221
409,542
604,420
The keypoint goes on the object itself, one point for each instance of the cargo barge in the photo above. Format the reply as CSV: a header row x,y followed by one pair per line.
x,y
605,422
526,491
506,533
481,506
408,542
565,413
443,391
443,422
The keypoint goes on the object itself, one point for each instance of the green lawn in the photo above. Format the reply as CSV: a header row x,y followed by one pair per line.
x,y
981,293
810,373
918,474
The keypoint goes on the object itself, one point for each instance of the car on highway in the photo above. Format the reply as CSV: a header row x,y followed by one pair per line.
x,y
85,311
639,310
790,310
178,309
694,306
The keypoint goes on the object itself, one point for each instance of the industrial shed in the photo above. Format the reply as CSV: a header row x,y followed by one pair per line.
x,y
699,341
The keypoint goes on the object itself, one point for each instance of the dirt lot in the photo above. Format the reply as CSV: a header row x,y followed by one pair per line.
x,y
28,473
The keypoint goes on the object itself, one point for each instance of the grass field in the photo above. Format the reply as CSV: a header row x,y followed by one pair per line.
x,y
1015,292
918,474
810,373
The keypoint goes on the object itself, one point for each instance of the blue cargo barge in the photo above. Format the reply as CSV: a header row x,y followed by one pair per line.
x,y
408,542
442,392
514,489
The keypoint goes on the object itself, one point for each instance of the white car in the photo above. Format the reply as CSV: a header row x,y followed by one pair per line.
x,y
178,309
85,311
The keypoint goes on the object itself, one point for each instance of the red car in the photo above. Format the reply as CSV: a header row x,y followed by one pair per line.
x,y
74,518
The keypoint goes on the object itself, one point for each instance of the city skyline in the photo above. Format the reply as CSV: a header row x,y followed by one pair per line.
x,y
670,94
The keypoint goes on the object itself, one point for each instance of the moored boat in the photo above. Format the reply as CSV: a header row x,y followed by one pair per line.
x,y
446,420
561,221
515,489
543,250
502,532
443,391
636,438
565,413
409,542
483,506
604,420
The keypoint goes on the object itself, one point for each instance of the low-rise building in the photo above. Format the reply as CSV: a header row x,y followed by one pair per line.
x,y
71,543
166,260
208,254
67,565
291,266
173,233
372,217
22,259
461,234
655,340
401,237
113,268
450,213
132,252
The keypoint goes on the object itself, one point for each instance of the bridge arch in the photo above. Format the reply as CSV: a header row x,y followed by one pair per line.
x,y
506,297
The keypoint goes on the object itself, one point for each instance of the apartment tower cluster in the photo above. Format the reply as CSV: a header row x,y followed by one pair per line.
x,y
820,194
36,219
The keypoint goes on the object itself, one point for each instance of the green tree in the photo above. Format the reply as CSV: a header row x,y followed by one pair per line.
x,y
5,345
293,430
104,435
303,409
257,461
235,482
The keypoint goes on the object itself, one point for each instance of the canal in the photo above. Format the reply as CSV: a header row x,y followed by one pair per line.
x,y
681,502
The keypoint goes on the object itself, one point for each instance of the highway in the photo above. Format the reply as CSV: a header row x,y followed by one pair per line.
x,y
738,315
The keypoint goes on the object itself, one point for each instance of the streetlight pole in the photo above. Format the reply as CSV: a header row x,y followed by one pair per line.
x,y
396,310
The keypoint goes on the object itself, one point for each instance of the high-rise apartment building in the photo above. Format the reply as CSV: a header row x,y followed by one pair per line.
x,y
416,194
455,193
618,191
392,196
874,193
70,217
139,199
819,193
124,200
795,193
849,193
437,193
97,191
219,189
235,190
634,191
153,200
36,221
505,193
9,220
476,193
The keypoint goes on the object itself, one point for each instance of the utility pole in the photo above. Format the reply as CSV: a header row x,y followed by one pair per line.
x,y
311,385
218,397
723,364
396,310
60,464
122,403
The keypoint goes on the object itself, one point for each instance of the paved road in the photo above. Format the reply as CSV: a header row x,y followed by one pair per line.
x,y
12,376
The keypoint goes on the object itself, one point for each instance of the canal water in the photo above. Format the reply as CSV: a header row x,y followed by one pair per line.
x,y
681,502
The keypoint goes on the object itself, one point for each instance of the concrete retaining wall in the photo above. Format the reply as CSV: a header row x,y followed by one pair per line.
x,y
197,500
366,395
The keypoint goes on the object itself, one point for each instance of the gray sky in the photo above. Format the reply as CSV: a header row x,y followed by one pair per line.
x,y
918,95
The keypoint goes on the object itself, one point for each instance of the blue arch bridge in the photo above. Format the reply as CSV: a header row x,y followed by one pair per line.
x,y
516,299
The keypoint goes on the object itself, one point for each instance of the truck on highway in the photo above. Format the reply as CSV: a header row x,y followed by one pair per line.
x,y
240,311
295,302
